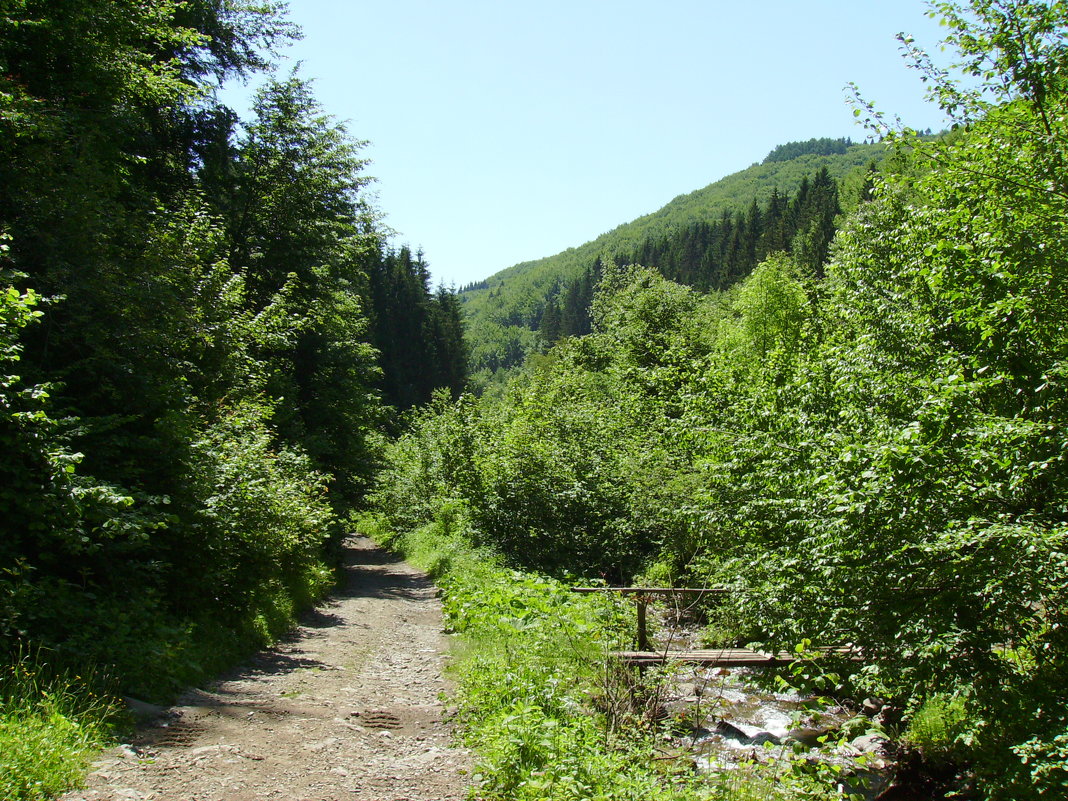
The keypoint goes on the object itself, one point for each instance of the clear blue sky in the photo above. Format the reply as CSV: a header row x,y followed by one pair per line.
x,y
502,131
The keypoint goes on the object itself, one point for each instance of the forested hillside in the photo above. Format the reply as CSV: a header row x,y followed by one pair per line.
x,y
709,238
870,453
204,335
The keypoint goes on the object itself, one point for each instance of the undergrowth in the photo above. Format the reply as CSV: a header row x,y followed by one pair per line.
x,y
50,726
539,702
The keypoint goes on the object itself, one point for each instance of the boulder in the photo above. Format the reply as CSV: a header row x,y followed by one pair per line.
x,y
142,711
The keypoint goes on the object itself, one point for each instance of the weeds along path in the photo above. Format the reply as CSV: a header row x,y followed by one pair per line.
x,y
346,707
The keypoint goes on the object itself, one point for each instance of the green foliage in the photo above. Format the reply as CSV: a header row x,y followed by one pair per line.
x,y
298,224
936,727
55,515
772,309
539,473
49,729
263,518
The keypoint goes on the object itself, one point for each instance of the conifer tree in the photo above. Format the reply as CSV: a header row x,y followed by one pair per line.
x,y
298,226
551,321
420,334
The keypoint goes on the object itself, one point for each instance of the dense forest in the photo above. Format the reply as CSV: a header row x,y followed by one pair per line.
x,y
867,450
823,146
710,255
204,337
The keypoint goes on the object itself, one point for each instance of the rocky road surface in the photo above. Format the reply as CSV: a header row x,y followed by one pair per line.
x,y
346,708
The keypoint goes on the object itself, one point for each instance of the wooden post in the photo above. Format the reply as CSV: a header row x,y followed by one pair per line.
x,y
643,634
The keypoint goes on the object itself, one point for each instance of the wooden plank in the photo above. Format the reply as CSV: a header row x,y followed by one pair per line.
x,y
726,657
657,590
723,657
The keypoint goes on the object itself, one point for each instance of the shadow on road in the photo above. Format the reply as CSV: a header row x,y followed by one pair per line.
x,y
368,572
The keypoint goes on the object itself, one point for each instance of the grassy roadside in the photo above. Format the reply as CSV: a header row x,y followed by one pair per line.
x,y
50,727
54,720
538,702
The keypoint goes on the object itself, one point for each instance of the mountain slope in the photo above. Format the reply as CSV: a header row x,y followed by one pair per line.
x,y
502,310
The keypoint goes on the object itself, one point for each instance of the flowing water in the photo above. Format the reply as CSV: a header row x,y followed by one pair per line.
x,y
724,718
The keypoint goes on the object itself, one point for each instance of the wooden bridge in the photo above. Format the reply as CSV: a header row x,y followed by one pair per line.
x,y
727,657
644,656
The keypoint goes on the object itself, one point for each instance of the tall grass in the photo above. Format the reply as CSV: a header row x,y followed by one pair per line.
x,y
50,726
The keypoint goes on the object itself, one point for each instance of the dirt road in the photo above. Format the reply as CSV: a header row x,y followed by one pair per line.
x,y
346,708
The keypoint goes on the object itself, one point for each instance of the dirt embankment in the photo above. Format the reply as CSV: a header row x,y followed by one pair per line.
x,y
347,707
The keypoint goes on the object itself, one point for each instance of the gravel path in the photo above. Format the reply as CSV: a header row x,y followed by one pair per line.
x,y
347,708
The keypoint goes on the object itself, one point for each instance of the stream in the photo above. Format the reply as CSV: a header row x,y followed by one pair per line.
x,y
730,720
724,718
